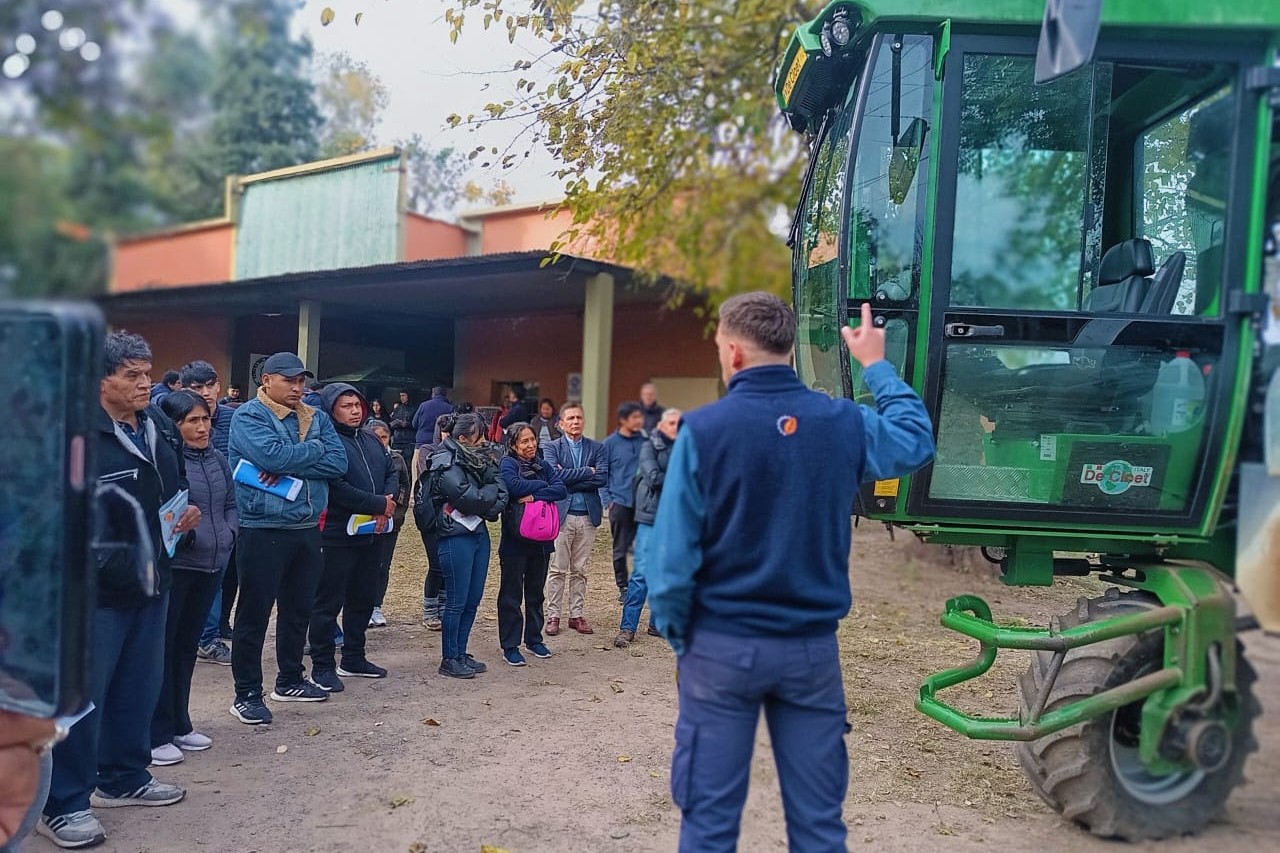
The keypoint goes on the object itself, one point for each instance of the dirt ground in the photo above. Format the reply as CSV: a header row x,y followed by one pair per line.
x,y
573,753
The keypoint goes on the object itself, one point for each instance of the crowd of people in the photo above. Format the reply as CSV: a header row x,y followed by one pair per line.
x,y
737,513
296,508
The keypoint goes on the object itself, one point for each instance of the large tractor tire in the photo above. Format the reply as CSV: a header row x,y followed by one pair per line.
x,y
1090,773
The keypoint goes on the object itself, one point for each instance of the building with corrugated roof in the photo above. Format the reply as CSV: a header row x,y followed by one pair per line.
x,y
325,260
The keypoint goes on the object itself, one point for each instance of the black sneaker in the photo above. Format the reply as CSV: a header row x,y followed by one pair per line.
x,y
327,680
300,691
476,666
251,710
361,669
456,668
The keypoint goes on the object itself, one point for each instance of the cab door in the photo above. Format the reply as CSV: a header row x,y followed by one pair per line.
x,y
1055,401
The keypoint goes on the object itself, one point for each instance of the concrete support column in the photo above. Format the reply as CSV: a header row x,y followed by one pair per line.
x,y
597,354
309,314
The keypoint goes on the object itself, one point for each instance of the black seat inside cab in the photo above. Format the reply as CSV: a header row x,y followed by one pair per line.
x,y
1122,278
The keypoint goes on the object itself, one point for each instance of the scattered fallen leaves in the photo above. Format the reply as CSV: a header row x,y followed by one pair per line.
x,y
326,16
397,802
623,759
428,721
655,774
489,848
615,687
281,749
313,731
418,847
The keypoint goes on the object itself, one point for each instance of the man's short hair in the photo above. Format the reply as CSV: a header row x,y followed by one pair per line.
x,y
120,347
439,391
572,405
170,377
761,318
198,372
628,409
235,387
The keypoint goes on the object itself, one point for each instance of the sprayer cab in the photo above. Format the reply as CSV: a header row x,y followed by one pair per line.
x,y
1057,214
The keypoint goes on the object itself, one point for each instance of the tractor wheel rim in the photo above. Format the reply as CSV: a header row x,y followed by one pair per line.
x,y
1140,783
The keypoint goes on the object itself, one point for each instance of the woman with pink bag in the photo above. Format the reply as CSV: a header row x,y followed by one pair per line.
x,y
529,527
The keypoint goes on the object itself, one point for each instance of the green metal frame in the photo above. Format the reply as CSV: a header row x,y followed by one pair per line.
x,y
1196,613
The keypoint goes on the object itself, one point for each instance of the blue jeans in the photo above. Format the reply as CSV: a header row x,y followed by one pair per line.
x,y
211,634
638,587
464,559
111,747
724,682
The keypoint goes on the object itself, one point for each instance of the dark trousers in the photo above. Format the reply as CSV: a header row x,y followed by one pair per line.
x,y
387,544
523,581
189,600
348,583
724,682
433,584
111,747
277,567
465,561
622,524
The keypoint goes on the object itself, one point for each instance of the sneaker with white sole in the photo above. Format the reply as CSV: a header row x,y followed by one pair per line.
x,y
513,657
361,669
215,652
154,793
377,620
193,742
166,754
300,691
327,680
251,710
71,830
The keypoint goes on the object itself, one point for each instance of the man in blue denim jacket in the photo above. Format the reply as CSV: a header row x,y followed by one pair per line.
x,y
278,552
749,571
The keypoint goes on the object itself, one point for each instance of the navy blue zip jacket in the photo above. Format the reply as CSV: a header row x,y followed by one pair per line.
x,y
624,462
220,428
534,479
369,479
424,420
752,535
209,476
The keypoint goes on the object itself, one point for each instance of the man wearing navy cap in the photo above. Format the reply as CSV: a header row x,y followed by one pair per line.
x,y
278,552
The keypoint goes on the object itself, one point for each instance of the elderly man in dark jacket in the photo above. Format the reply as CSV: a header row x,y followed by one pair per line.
x,y
109,750
349,582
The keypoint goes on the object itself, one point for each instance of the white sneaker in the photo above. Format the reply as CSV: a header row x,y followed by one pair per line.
x,y
166,754
377,620
71,830
193,742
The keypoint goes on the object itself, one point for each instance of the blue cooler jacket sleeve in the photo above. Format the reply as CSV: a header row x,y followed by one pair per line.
x,y
676,545
898,433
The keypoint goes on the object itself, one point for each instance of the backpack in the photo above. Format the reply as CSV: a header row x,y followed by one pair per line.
x,y
425,512
496,433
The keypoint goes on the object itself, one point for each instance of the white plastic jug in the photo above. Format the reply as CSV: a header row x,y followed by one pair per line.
x,y
1271,425
1177,401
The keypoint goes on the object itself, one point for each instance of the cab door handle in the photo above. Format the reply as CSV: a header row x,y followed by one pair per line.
x,y
967,330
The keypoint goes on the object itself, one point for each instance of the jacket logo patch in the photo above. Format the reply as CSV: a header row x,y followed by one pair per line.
x,y
788,424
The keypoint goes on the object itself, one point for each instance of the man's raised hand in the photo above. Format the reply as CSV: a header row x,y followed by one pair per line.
x,y
866,343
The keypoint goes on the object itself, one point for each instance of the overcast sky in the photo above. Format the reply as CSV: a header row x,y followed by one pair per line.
x,y
406,43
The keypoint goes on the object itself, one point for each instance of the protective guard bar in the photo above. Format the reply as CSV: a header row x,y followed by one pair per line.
x,y
971,616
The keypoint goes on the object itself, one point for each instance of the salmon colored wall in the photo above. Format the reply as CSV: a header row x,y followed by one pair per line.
x,y
528,230
427,239
647,341
177,339
202,256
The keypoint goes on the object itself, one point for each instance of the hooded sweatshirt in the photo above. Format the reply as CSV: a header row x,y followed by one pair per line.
x,y
369,479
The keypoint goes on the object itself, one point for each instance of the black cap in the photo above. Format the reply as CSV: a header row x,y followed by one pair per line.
x,y
286,364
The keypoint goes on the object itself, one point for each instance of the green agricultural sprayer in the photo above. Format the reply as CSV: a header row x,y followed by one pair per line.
x,y
1064,221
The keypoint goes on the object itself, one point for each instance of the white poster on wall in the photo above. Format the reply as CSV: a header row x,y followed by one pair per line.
x,y
256,360
574,387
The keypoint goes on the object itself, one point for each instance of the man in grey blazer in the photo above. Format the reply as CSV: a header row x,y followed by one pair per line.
x,y
585,467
